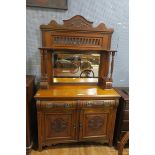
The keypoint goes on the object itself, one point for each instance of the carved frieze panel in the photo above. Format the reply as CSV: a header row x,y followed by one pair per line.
x,y
55,104
71,104
96,103
82,41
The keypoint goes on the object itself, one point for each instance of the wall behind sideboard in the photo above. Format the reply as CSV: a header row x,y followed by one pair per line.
x,y
114,13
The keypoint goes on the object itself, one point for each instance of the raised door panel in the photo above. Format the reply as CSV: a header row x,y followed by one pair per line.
x,y
60,125
93,124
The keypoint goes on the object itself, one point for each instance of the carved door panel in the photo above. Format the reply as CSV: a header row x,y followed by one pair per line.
x,y
93,123
60,125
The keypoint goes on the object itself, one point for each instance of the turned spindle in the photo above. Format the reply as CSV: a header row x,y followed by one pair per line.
x,y
112,64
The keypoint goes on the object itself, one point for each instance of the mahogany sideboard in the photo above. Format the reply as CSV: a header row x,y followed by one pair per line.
x,y
76,101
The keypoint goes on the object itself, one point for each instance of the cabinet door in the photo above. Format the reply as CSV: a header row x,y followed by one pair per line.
x,y
60,125
93,123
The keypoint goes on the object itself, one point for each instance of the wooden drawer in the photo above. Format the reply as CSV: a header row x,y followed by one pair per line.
x,y
125,125
97,103
56,104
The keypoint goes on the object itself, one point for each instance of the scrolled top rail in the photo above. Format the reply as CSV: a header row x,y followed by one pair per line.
x,y
76,23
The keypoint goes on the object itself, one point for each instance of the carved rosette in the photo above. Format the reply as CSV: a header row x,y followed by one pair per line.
x,y
59,125
79,23
96,123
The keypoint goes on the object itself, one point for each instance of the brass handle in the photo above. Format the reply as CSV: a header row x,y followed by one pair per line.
x,y
67,105
89,104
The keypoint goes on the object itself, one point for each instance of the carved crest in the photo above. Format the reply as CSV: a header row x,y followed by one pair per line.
x,y
78,22
75,23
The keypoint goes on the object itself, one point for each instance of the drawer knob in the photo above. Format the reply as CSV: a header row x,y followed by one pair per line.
x,y
67,105
89,104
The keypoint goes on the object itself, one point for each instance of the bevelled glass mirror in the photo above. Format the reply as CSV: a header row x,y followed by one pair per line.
x,y
75,65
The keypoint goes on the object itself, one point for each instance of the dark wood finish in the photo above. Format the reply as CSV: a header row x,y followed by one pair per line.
x,y
30,91
122,119
112,65
83,112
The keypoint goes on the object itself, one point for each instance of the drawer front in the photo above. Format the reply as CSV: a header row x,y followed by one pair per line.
x,y
97,103
56,104
74,104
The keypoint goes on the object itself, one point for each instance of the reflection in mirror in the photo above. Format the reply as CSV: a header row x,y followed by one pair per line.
x,y
76,65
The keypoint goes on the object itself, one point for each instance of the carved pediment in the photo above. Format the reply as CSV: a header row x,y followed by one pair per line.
x,y
78,22
75,23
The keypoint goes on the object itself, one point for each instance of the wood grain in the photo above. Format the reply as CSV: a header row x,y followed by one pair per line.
x,y
94,121
79,149
75,91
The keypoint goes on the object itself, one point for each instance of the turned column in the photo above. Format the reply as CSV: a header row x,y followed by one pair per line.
x,y
42,63
46,67
112,65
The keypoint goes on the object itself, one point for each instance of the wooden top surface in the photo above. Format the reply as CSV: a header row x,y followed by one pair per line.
x,y
75,91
